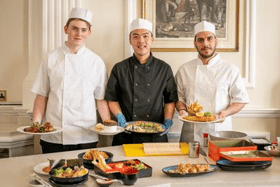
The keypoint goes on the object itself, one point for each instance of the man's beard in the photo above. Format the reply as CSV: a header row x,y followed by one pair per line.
x,y
206,56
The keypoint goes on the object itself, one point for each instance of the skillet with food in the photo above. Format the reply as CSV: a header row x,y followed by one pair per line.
x,y
68,172
145,127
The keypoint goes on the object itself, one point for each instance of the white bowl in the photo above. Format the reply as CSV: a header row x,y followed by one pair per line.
x,y
110,128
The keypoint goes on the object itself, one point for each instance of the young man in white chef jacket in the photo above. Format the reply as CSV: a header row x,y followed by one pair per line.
x,y
69,85
214,83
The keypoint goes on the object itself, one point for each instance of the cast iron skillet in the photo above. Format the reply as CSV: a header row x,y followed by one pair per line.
x,y
67,181
88,163
146,133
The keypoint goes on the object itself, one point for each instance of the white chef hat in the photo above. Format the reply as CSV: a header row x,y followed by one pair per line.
x,y
141,24
81,13
204,26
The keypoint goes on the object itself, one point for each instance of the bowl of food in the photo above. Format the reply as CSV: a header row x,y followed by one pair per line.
x,y
89,155
227,135
110,126
273,150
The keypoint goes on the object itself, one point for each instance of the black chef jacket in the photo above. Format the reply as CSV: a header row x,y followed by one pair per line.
x,y
142,90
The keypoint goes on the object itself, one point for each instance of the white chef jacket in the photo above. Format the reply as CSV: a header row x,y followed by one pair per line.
x,y
71,82
215,86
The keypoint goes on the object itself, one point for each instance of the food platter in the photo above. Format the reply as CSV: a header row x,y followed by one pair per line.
x,y
39,168
242,166
56,130
107,133
185,120
88,163
167,170
135,126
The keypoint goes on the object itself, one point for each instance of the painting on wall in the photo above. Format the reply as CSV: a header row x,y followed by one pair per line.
x,y
174,20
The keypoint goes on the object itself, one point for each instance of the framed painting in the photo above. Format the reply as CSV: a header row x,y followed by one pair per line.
x,y
174,20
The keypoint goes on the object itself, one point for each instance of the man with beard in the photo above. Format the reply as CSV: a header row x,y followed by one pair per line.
x,y
214,83
141,87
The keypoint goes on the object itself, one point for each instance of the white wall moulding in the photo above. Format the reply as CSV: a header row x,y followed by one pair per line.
x,y
258,113
55,14
249,79
131,7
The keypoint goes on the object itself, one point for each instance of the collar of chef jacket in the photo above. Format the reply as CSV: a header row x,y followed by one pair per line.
x,y
66,49
211,62
147,64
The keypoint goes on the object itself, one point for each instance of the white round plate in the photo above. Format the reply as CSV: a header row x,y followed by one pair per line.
x,y
102,132
56,130
38,168
185,120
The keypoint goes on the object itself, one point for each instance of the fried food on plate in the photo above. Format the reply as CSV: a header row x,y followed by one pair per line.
x,y
195,114
90,154
194,108
204,118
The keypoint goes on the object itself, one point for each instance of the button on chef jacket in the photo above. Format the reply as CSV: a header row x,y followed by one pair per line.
x,y
142,89
215,86
71,82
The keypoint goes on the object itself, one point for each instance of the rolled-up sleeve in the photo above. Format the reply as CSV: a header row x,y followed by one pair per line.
x,y
41,84
112,86
238,91
170,92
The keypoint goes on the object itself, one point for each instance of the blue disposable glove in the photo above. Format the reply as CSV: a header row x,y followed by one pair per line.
x,y
121,119
168,123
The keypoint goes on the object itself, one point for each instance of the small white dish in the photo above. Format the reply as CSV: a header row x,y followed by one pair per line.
x,y
39,168
107,133
109,128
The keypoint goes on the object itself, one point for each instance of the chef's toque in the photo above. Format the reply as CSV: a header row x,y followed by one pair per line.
x,y
81,13
204,26
141,24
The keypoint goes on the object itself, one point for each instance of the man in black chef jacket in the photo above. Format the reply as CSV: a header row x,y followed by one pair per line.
x,y
142,87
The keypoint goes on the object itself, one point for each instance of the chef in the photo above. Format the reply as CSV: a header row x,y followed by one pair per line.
x,y
141,87
70,83
214,83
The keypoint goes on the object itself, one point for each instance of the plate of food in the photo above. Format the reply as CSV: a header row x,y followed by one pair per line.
x,y
92,154
109,127
144,127
39,129
42,168
189,170
196,115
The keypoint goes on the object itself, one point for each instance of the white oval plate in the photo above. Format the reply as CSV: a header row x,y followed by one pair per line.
x,y
56,130
185,120
38,168
102,132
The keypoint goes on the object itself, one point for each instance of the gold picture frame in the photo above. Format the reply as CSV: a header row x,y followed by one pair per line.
x,y
173,31
3,95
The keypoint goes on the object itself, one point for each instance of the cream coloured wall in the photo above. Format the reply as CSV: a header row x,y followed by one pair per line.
x,y
108,39
13,48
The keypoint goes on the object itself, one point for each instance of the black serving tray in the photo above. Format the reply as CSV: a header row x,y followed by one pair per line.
x,y
117,175
260,142
242,166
